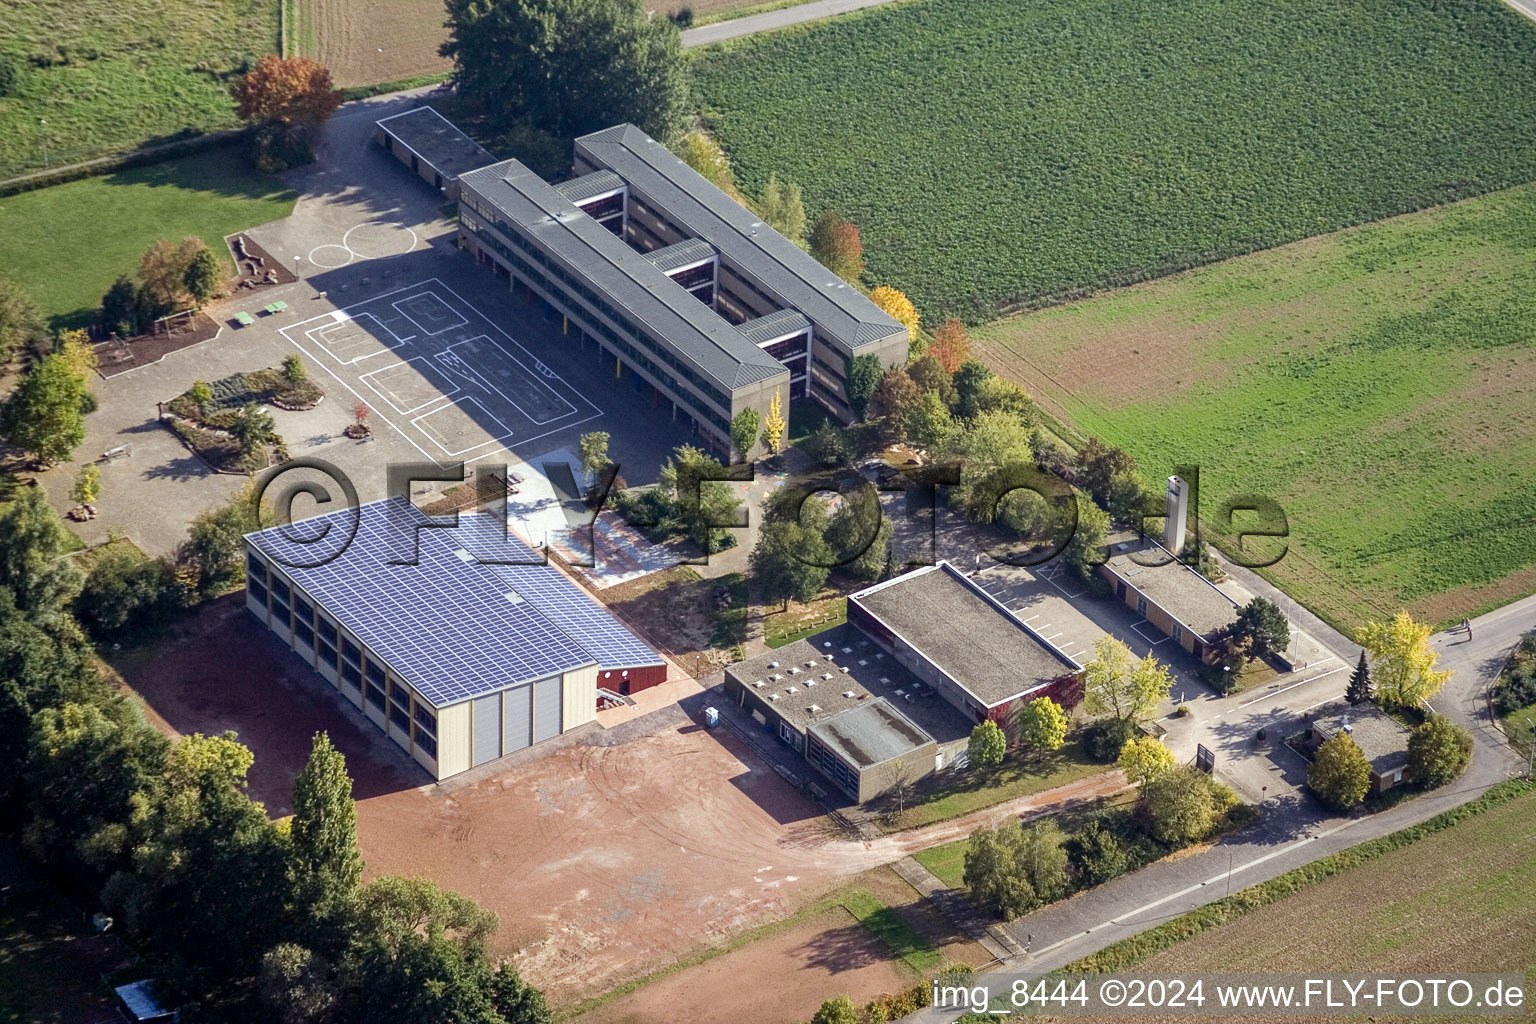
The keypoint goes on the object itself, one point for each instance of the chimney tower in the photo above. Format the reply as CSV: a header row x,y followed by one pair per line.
x,y
1177,514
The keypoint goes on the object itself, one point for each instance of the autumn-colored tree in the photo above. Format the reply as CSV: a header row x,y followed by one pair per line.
x,y
87,485
163,270
1144,759
894,402
287,90
1402,660
773,426
700,151
75,346
951,344
835,242
898,306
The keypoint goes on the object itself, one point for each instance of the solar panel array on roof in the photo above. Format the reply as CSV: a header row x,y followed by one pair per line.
x,y
451,628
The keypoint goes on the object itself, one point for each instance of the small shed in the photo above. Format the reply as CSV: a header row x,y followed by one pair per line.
x,y
142,1004
1381,738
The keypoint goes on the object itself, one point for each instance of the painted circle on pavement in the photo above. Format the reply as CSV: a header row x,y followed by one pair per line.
x,y
378,239
329,257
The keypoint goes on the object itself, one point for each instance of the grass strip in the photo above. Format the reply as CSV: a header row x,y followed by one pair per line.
x,y
892,929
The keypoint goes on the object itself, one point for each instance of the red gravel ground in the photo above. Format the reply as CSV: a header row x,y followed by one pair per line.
x,y
605,859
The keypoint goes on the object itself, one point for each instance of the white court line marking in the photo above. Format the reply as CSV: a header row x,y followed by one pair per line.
x,y
389,395
318,336
1276,693
397,304
460,403
458,364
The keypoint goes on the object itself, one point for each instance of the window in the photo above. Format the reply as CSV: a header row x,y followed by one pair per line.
x,y
304,631
426,744
326,653
327,631
350,652
258,590
1141,606
376,695
375,673
280,587
400,718
280,611
1178,633
426,722
303,609
350,676
255,567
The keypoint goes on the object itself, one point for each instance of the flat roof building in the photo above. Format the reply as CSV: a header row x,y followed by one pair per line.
x,y
673,281
957,638
431,146
457,656
1381,738
850,710
1168,593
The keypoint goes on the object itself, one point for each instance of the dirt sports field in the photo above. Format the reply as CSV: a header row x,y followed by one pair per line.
x,y
364,42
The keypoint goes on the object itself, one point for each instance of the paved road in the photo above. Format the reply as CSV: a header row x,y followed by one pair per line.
x,y
1294,830
754,23
1525,7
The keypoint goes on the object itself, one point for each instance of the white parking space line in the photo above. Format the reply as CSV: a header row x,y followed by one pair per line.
x,y
1276,693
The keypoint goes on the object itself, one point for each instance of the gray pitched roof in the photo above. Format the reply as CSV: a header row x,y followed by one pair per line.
x,y
843,317
681,254
436,140
587,186
1381,738
1197,603
772,327
603,262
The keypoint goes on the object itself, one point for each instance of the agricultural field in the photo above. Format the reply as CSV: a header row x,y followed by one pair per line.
x,y
1377,382
998,154
1463,899
56,242
365,42
98,76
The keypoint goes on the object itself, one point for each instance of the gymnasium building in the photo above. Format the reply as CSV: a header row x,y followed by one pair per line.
x,y
677,286
455,641
431,146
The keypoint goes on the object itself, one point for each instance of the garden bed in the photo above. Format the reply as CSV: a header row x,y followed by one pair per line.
x,y
205,427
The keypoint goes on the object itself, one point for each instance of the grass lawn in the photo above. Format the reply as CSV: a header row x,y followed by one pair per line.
x,y
68,243
963,792
783,628
110,75
1463,899
995,153
1376,382
946,861
891,929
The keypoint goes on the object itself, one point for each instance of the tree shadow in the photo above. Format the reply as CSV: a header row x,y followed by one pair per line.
x,y
843,948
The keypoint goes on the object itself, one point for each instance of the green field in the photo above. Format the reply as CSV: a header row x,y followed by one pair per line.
x,y
108,75
68,243
996,152
1377,382
948,795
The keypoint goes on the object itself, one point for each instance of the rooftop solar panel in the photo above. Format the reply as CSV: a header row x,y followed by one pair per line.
x,y
445,625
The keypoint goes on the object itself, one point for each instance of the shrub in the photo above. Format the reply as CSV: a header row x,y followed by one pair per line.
x,y
1104,739
1438,751
1340,774
277,147
125,592
1098,855
682,17
1179,805
987,746
10,75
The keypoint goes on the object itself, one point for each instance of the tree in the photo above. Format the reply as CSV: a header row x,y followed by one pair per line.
x,y
120,308
203,276
21,326
43,416
1438,751
37,577
899,307
1086,550
859,535
1403,660
827,445
1359,690
1042,857
931,378
252,427
700,151
864,375
215,544
789,562
897,776
835,244
1340,774
773,426
126,592
581,65
969,377
1098,464
1265,626
295,984
1003,394
293,368
951,344
87,488
594,452
783,209
292,91
987,746
928,422
837,1010
993,875
1099,854
895,401
163,270
1144,759
325,864
1116,683
1042,724
201,394
1179,805
744,428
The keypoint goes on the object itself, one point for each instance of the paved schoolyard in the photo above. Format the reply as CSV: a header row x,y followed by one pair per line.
x,y
388,314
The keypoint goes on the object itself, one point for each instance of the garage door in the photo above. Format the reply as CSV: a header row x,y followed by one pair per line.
x,y
517,707
546,708
487,728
